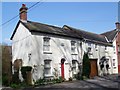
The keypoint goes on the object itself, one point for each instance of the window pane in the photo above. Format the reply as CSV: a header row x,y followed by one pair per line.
x,y
74,64
47,70
46,44
73,43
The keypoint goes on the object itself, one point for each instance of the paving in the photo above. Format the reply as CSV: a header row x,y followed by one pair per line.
x,y
109,82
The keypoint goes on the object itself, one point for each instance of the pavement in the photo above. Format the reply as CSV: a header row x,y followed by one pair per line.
x,y
109,82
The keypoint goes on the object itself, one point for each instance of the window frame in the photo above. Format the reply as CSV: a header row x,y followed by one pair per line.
x,y
74,66
46,45
48,67
73,47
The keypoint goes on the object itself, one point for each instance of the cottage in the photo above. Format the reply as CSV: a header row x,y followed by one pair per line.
x,y
58,51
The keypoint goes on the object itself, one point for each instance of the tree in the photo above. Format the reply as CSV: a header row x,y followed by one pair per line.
x,y
86,66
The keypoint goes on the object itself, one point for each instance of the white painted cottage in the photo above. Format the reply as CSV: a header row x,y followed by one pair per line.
x,y
54,51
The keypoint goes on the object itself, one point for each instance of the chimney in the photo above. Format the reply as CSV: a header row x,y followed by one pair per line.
x,y
23,13
117,25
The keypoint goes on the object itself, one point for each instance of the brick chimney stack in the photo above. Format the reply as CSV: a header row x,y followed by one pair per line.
x,y
117,25
23,13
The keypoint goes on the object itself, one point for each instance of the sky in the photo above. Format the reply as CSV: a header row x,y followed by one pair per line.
x,y
96,17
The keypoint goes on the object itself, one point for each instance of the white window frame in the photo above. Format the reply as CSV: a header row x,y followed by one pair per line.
x,y
114,64
119,48
73,47
74,66
46,67
46,44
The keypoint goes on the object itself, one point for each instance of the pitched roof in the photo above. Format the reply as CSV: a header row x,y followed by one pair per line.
x,y
70,32
97,38
44,28
110,34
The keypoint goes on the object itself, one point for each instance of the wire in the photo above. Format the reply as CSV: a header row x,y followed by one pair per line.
x,y
18,14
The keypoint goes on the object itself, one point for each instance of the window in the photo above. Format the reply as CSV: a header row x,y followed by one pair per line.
x,y
89,49
114,48
105,47
74,66
118,48
46,44
73,46
47,67
89,44
113,62
95,45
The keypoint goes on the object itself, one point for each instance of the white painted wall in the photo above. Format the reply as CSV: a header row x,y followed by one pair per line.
x,y
114,56
29,48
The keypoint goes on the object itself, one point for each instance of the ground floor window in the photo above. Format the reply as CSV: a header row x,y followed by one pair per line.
x,y
113,62
74,62
47,67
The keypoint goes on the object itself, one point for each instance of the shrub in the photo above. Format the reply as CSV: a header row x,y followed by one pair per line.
x,y
14,85
5,80
24,71
86,66
70,79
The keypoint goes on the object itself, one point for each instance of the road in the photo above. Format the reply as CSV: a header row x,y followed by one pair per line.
x,y
98,83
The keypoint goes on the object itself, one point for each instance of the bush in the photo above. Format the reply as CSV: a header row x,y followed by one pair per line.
x,y
5,80
70,79
14,85
24,71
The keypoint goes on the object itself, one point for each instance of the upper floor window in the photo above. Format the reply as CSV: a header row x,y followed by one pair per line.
x,y
73,46
89,44
95,45
118,48
89,49
114,48
46,44
47,67
114,62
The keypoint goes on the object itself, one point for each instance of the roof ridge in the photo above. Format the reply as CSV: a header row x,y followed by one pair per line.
x,y
46,24
108,31
84,30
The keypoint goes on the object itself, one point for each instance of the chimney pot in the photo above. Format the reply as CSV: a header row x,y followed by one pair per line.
x,y
117,25
23,5
23,13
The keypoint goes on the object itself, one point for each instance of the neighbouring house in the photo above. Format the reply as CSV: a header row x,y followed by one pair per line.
x,y
113,37
54,51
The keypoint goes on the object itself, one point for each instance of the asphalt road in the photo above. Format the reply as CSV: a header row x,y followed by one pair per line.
x,y
111,82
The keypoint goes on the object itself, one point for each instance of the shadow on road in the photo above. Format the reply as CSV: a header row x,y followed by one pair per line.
x,y
114,80
101,86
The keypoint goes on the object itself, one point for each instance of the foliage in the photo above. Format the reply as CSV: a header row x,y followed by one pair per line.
x,y
5,81
48,81
15,78
24,71
86,66
78,76
14,85
70,79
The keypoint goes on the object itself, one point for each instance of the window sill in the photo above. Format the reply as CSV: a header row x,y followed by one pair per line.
x,y
48,75
47,52
74,54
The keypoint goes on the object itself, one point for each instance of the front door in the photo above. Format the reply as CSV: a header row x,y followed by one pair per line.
x,y
94,69
62,68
